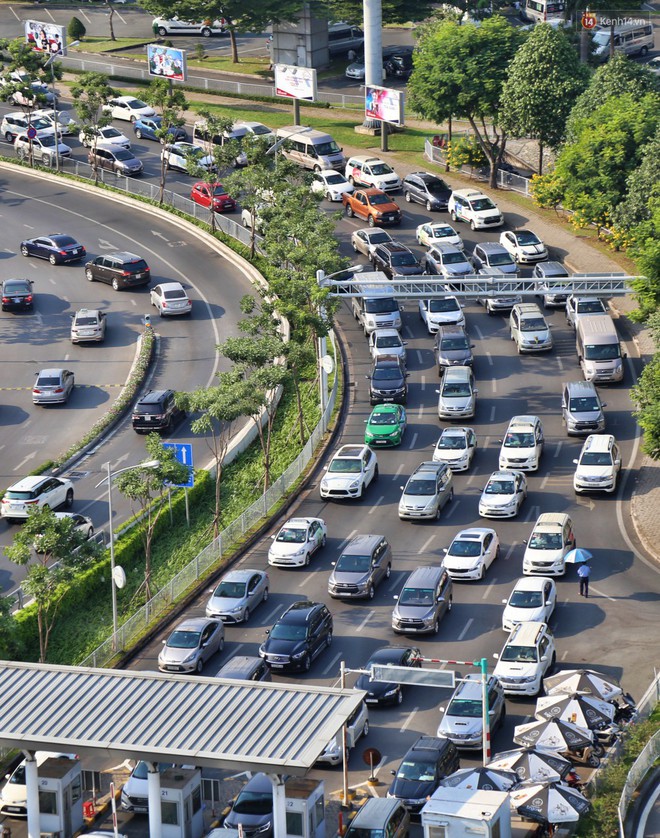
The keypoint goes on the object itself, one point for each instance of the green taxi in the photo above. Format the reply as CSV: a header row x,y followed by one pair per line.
x,y
386,425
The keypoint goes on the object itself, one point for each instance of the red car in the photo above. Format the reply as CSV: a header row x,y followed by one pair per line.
x,y
203,193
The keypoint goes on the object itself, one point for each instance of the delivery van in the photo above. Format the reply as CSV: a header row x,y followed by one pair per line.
x,y
598,349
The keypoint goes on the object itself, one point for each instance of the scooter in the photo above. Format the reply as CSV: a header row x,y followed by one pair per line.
x,y
589,755
625,709
574,780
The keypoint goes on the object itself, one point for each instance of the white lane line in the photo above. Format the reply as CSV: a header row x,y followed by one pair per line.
x,y
377,504
420,411
560,363
237,649
347,539
420,357
407,722
393,584
271,617
425,545
409,332
493,384
452,509
558,448
544,482
25,460
413,441
11,9
121,18
533,514
487,440
509,552
490,358
423,383
479,332
397,472
306,581
489,589
470,480
492,413
333,663
564,654
600,593
466,628
84,15
365,621
49,15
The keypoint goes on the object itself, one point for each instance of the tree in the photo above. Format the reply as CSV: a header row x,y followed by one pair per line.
x,y
146,488
646,395
542,82
63,552
171,103
91,92
8,639
646,252
76,29
459,71
238,17
111,16
643,185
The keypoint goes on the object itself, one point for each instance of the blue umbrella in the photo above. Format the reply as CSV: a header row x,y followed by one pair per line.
x,y
578,556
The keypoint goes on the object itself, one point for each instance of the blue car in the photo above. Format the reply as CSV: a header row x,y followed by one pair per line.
x,y
147,126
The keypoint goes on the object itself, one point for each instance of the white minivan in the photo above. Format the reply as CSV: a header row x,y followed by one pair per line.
x,y
311,149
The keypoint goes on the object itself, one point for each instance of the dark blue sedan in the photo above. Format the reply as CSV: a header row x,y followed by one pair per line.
x,y
148,126
58,248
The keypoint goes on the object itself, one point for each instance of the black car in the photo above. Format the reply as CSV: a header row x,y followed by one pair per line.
x,y
428,762
387,380
395,259
156,411
425,188
399,63
384,692
121,270
252,811
58,248
17,294
298,637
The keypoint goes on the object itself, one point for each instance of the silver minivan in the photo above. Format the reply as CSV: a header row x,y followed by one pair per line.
x,y
581,408
425,598
598,349
457,394
364,562
311,149
379,817
428,490
452,348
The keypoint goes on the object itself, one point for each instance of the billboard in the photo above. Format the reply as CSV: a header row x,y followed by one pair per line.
x,y
295,82
384,103
166,62
45,37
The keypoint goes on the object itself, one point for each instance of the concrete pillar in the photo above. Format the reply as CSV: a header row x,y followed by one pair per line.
x,y
153,789
279,806
32,795
373,42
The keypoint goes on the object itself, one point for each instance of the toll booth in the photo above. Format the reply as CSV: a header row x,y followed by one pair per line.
x,y
181,803
305,808
60,797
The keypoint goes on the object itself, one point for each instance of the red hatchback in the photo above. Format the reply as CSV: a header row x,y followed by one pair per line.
x,y
204,193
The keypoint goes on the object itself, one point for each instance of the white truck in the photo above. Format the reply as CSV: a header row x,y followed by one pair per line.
x,y
464,813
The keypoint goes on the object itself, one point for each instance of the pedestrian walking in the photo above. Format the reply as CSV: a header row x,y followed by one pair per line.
x,y
584,572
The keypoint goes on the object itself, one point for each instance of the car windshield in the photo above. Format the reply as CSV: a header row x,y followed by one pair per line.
x,y
416,596
379,236
330,147
47,141
465,549
123,154
260,129
383,419
525,237
86,321
376,200
423,772
450,304
482,204
384,305
519,440
420,486
184,639
452,258
467,707
230,590
141,770
545,541
500,487
588,404
331,180
533,324
442,232
287,631
292,535
47,381
353,564
456,390
590,307
526,599
64,241
219,190
454,344
403,259
40,124
500,259
388,341
596,458
346,465
110,132
523,654
602,352
601,39
452,442
18,287
253,803
381,169
435,187
136,104
386,374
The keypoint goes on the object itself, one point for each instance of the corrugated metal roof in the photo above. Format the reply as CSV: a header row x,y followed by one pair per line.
x,y
275,728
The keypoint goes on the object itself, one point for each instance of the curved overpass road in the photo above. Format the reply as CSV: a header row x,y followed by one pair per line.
x,y
187,352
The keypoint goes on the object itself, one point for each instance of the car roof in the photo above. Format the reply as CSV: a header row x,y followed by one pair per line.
x,y
584,388
259,782
531,583
365,158
425,176
454,431
598,442
51,371
171,286
193,624
523,422
492,247
448,248
528,310
361,542
503,475
125,256
469,193
29,482
527,634
375,812
471,687
389,654
395,247
385,332
240,575
551,519
474,534
429,743
351,451
153,396
300,611
386,408
389,361
429,466
551,269
88,312
298,522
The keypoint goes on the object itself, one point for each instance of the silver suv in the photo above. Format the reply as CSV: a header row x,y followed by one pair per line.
x,y
462,722
428,490
363,563
425,598
581,408
528,655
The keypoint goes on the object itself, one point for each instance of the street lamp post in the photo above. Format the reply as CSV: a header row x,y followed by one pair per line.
x,y
110,475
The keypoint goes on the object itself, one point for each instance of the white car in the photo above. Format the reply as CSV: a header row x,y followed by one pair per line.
x,y
108,135
128,108
525,247
598,465
365,241
372,171
81,523
43,148
529,329
357,726
532,600
522,444
471,553
259,130
331,184
65,124
475,208
528,655
35,491
17,123
440,311
503,495
551,539
456,447
577,307
446,260
349,472
170,298
40,92
387,342
176,156
435,232
297,541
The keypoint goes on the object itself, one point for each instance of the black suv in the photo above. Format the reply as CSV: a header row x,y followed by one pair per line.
x,y
395,259
425,188
399,63
298,637
428,762
121,270
387,380
156,411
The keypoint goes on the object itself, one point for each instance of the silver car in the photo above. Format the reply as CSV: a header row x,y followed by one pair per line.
x,y
87,326
237,594
53,386
462,722
191,644
428,490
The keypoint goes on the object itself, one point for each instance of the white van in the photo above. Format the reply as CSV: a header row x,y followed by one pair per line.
x,y
204,138
13,798
598,349
634,38
343,37
542,11
311,149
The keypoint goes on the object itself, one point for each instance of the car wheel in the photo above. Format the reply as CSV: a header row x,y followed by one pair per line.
x,y
160,311
68,501
328,640
264,598
351,180
138,133
88,274
451,495
472,227
376,472
593,761
246,615
24,251
355,247
408,197
388,571
9,137
428,206
644,51
481,573
200,666
317,168
371,592
371,221
162,31
133,118
436,626
328,196
361,493
324,540
115,284
52,259
399,696
349,211
307,663
306,559
437,513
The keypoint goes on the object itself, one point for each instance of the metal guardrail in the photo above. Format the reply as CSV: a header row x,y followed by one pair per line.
x,y
505,180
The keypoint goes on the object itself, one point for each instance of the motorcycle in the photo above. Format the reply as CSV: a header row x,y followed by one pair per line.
x,y
625,709
574,780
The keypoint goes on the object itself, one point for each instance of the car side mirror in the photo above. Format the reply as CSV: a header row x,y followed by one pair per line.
x,y
368,377
544,658
211,590
496,655
617,463
604,404
441,709
401,487
407,375
475,391
396,597
438,392
267,631
393,772
575,462
472,345
404,342
504,601
499,440
163,642
333,564
445,549
440,599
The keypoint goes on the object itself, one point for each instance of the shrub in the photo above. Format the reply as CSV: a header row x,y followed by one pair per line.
x,y
76,29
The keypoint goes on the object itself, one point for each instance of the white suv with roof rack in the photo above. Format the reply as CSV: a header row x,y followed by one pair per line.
x,y
522,444
598,465
528,655
551,539
372,171
475,208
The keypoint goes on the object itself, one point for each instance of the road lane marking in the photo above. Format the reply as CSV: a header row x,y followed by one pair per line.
x,y
489,357
25,460
466,628
306,580
364,622
11,9
509,552
600,593
492,413
453,508
121,18
533,514
407,722
409,332
489,589
347,539
558,449
479,332
84,15
49,15
423,383
493,383
376,505
544,482
560,363
413,441
397,472
425,545
332,664
420,357
271,617
420,411
564,654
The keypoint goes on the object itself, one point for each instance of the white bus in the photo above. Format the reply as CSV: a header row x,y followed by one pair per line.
x,y
634,38
540,11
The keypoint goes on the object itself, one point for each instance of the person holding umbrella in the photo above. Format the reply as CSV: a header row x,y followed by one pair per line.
x,y
581,557
584,572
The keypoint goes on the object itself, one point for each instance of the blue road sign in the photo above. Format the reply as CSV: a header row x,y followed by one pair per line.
x,y
183,453
31,132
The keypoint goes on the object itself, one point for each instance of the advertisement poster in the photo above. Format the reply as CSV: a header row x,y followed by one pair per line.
x,y
46,37
295,82
384,104
166,62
